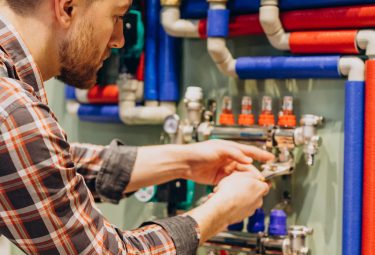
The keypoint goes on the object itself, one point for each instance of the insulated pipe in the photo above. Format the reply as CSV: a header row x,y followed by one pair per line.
x,y
216,46
287,67
196,9
99,113
151,59
354,68
70,93
321,42
238,26
103,95
177,27
368,210
330,18
168,67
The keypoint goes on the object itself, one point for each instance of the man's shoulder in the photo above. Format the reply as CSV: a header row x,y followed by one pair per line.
x,y
14,94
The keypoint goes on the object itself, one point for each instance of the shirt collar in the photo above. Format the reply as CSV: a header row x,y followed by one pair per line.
x,y
25,66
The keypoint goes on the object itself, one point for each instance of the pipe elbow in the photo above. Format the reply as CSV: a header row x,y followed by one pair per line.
x,y
176,27
280,40
271,24
366,41
82,96
72,107
221,56
145,115
352,67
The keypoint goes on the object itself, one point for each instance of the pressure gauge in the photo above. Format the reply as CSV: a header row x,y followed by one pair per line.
x,y
146,194
171,124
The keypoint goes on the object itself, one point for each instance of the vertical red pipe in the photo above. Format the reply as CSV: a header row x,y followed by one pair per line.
x,y
368,224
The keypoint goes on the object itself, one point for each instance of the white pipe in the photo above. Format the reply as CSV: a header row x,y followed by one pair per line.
x,y
152,113
352,67
269,16
219,52
177,27
72,107
145,115
82,96
366,41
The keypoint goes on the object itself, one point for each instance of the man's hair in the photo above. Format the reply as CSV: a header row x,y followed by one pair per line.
x,y
24,7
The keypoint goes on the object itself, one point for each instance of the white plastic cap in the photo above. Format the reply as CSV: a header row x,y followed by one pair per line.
x,y
194,93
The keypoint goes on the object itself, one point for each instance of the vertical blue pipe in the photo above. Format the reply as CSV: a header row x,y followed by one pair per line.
x,y
151,52
168,67
70,93
353,167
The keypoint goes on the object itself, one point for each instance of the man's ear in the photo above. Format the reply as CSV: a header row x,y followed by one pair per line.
x,y
65,10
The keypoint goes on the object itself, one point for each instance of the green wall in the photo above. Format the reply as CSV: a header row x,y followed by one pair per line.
x,y
317,191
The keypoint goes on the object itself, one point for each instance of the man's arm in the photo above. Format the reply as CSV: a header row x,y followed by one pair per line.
x,y
46,207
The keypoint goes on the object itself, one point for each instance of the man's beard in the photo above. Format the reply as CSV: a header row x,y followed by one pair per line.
x,y
79,57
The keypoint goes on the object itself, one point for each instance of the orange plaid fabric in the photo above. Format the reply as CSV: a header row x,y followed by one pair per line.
x,y
47,186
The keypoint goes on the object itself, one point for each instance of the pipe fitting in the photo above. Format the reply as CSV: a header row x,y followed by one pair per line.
x,y
366,41
271,24
217,1
177,27
269,2
82,96
145,115
170,3
221,55
352,67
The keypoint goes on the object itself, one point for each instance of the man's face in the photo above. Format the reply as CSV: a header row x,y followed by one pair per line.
x,y
96,30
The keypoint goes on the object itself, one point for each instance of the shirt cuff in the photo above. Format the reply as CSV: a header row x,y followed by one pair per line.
x,y
184,232
114,176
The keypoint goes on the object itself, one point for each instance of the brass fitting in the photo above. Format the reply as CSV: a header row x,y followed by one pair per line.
x,y
217,1
170,2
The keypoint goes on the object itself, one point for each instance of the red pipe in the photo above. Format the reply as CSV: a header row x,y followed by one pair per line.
x,y
324,42
103,95
368,211
326,18
238,26
141,68
330,18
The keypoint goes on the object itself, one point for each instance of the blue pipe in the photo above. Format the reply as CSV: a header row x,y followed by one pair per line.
x,y
99,113
151,51
70,93
196,9
287,67
168,67
353,167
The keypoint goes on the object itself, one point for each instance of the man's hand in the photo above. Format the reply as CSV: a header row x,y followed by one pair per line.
x,y
213,160
236,197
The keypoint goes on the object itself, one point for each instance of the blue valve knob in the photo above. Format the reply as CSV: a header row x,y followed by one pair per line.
x,y
256,222
278,225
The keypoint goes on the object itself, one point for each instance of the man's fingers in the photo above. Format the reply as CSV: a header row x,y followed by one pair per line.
x,y
237,155
252,151
251,169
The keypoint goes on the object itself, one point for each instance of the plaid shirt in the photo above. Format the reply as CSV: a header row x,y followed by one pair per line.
x,y
48,186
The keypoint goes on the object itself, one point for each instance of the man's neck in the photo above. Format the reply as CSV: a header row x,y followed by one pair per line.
x,y
37,35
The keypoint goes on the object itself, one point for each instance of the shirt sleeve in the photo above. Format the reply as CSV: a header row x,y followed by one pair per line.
x,y
105,169
46,207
